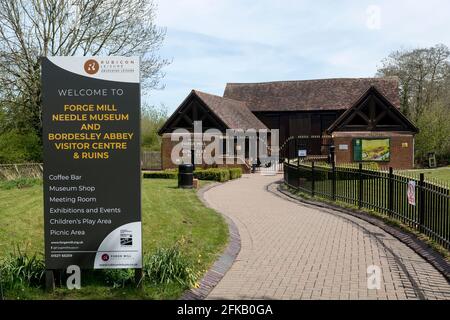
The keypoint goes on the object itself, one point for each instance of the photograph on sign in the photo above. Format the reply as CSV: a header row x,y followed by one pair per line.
x,y
377,150
92,191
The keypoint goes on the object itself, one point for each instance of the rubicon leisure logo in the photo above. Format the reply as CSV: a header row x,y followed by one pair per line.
x,y
105,257
110,65
91,66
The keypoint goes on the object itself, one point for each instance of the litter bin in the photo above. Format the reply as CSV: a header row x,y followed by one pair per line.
x,y
185,176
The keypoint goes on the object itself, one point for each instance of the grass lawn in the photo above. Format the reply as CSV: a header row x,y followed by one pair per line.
x,y
441,174
169,214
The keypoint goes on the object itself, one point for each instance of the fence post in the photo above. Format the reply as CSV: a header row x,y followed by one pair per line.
x,y
360,186
288,151
49,280
391,191
333,184
312,179
422,203
298,172
331,154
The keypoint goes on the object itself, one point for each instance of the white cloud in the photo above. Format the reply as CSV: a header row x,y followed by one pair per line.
x,y
217,41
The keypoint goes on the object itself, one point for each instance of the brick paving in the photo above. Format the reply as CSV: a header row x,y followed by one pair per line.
x,y
293,251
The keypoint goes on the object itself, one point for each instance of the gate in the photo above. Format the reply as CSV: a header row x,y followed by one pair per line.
x,y
317,147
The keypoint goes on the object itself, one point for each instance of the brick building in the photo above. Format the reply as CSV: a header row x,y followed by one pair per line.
x,y
361,117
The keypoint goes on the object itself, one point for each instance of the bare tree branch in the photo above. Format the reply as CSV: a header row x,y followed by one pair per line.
x,y
31,29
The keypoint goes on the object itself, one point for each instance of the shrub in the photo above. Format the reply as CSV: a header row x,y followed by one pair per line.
x,y
220,175
19,270
213,174
16,147
168,265
152,119
235,173
166,174
19,183
119,278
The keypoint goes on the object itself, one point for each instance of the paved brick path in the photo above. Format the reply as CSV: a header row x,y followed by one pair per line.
x,y
290,251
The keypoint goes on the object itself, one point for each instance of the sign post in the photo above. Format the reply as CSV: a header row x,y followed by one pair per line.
x,y
92,188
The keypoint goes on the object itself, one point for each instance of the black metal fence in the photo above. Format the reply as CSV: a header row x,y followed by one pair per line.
x,y
386,192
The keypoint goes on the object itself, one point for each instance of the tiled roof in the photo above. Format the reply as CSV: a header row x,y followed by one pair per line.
x,y
234,114
309,95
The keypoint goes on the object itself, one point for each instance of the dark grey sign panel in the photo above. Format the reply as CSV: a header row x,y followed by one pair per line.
x,y
92,188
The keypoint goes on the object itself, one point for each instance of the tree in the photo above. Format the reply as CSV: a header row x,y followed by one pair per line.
x,y
18,147
152,119
31,29
434,134
424,77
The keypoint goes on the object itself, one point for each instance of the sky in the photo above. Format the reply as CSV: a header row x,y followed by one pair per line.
x,y
212,42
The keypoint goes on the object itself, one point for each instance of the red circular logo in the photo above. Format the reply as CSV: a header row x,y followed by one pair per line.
x,y
105,257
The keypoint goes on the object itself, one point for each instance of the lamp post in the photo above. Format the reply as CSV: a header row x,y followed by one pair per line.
x,y
331,155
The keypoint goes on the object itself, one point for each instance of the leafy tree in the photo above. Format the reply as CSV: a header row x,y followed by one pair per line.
x,y
424,76
152,119
18,147
434,135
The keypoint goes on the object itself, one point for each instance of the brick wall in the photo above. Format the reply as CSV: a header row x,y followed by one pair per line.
x,y
402,147
166,151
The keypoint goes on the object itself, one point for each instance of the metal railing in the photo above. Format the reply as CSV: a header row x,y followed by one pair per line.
x,y
416,202
315,146
150,160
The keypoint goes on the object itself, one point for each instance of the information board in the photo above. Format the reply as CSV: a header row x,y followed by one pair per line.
x,y
370,149
91,137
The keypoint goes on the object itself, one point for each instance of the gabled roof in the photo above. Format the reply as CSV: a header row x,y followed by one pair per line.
x,y
234,114
227,113
397,118
309,95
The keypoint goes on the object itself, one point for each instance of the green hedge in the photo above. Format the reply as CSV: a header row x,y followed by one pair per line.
x,y
213,174
235,173
220,175
167,174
